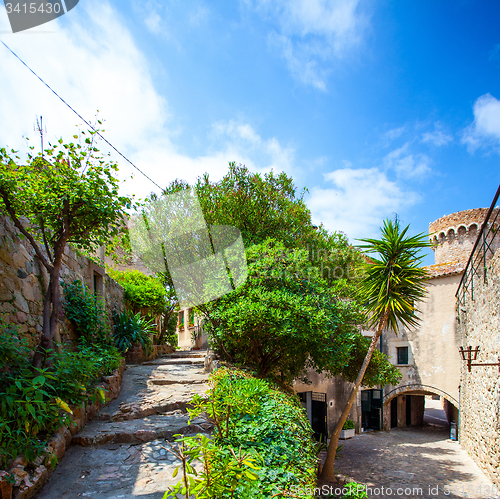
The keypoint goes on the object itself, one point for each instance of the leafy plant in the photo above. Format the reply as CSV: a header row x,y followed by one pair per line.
x,y
349,425
262,443
34,401
286,318
355,491
87,312
130,329
141,291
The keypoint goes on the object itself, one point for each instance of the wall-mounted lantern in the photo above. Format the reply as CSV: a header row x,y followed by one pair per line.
x,y
469,354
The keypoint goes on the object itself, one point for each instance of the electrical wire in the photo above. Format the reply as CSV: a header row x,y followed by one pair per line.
x,y
80,116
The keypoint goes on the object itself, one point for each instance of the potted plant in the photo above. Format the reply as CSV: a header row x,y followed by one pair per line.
x,y
347,430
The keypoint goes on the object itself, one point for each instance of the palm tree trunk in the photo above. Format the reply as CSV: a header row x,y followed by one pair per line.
x,y
327,472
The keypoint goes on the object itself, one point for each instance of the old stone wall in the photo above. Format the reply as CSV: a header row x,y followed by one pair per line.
x,y
23,281
479,325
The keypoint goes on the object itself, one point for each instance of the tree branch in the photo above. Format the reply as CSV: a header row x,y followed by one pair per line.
x,y
23,231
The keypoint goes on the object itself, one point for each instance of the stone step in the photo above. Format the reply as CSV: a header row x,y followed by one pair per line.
x,y
176,361
186,354
175,381
138,431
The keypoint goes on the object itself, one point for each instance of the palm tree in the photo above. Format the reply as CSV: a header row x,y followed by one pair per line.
x,y
391,287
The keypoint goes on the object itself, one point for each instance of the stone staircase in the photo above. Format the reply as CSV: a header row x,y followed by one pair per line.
x,y
122,453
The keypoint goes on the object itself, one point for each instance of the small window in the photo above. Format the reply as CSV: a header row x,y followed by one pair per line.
x,y
180,320
402,355
191,317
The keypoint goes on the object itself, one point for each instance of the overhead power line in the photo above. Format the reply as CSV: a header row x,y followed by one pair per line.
x,y
80,116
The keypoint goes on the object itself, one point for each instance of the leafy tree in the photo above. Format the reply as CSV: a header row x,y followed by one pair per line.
x,y
393,284
261,206
286,318
68,195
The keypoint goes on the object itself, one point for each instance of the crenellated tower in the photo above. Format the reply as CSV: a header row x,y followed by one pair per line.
x,y
453,236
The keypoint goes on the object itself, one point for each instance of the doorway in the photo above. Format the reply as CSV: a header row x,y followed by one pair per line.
x,y
371,409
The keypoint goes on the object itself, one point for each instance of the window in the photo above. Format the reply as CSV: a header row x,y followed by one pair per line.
x,y
191,317
180,320
402,355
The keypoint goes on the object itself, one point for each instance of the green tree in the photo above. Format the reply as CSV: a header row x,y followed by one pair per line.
x,y
68,195
392,285
286,318
150,295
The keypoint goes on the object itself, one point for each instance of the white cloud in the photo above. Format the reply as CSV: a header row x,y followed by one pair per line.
x,y
310,34
153,22
94,63
395,133
357,201
438,137
485,130
407,164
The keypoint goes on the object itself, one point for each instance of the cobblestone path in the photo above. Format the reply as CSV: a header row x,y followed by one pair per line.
x,y
413,463
121,453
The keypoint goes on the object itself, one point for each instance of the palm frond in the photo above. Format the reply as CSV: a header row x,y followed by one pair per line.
x,y
394,281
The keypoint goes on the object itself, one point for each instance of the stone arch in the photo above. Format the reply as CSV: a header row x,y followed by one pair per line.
x,y
451,234
423,389
441,236
462,230
473,228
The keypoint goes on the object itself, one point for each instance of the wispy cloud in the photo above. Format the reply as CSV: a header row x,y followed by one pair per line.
x,y
355,201
485,130
407,164
395,133
438,137
310,34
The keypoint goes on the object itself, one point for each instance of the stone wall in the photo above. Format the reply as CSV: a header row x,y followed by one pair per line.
x,y
23,281
479,325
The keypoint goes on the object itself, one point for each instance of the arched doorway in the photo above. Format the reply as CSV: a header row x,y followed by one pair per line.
x,y
405,405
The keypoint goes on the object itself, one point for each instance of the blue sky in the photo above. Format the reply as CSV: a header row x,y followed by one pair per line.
x,y
376,107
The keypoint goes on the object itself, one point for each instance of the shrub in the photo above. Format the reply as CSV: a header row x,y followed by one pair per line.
x,y
355,491
33,402
129,329
141,291
87,312
261,447
349,425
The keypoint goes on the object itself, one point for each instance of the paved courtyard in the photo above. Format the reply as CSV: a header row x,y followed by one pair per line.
x,y
414,462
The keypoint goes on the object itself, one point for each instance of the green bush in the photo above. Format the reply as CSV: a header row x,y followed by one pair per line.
x,y
130,329
349,425
355,491
33,402
262,443
141,291
87,312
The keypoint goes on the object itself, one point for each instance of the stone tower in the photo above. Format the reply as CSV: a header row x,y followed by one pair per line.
x,y
453,236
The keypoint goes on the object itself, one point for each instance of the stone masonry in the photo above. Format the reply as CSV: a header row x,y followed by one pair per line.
x,y
453,236
479,325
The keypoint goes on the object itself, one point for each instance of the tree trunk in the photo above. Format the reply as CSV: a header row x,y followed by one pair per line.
x,y
327,472
51,313
46,339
